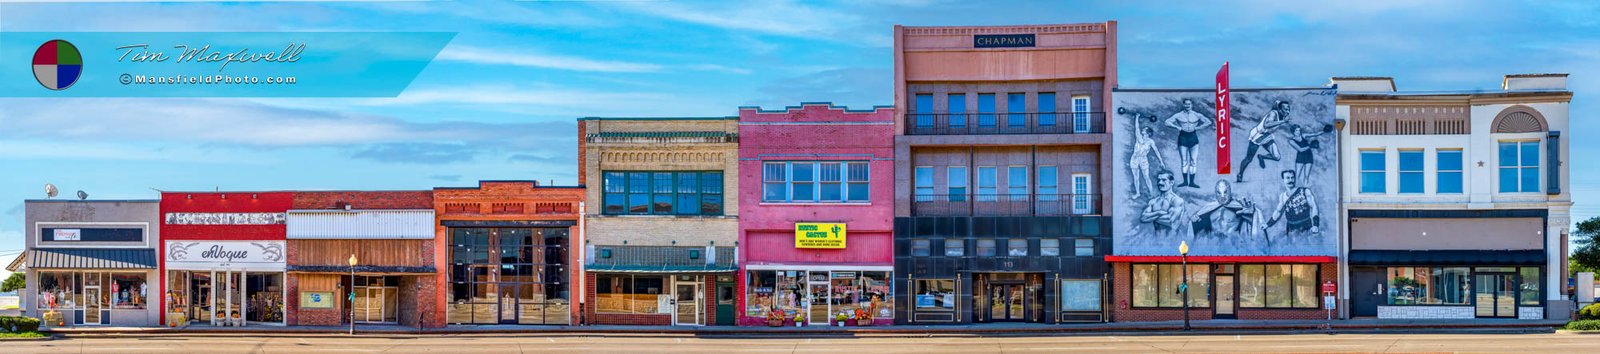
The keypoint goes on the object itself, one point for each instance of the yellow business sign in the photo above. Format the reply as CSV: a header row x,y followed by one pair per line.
x,y
818,235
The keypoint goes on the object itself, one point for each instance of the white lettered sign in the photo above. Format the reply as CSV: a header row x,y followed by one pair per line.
x,y
230,255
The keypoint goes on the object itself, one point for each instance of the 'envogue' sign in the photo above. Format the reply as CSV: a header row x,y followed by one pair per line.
x,y
242,255
1003,40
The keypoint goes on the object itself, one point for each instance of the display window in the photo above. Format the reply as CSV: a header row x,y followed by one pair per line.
x,y
629,294
935,294
1156,285
1279,286
818,294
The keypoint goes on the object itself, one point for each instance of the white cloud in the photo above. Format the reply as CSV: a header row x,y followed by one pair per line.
x,y
470,54
779,17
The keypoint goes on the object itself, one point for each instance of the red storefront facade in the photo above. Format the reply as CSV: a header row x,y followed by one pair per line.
x,y
223,257
822,170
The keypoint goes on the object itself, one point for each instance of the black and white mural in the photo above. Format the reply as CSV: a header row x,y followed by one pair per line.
x,y
1279,199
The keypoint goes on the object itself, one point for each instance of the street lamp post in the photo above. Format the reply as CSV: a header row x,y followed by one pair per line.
x,y
352,295
1183,254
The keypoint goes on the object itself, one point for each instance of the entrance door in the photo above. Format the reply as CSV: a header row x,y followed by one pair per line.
x,y
817,301
1225,297
91,307
725,297
687,302
1007,302
1366,292
508,304
1495,294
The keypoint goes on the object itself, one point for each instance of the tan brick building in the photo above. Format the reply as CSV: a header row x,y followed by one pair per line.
x,y
661,224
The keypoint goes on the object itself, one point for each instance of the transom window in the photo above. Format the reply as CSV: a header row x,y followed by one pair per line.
x,y
662,192
816,182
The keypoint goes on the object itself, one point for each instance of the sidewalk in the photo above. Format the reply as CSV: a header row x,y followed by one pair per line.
x,y
1168,327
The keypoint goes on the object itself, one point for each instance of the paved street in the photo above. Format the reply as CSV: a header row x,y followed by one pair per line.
x,y
1487,343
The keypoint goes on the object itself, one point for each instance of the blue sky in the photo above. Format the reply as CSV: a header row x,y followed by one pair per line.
x,y
499,101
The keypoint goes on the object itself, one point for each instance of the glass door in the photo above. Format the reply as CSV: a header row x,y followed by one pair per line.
x,y
687,303
91,305
817,301
1495,295
1225,298
1015,302
201,299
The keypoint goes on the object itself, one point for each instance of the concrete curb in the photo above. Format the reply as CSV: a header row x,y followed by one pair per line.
x,y
858,332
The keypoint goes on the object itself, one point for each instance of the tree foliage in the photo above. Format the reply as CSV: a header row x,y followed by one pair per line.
x,y
13,283
1587,237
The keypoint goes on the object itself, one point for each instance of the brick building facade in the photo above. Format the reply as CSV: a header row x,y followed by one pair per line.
x,y
391,235
508,252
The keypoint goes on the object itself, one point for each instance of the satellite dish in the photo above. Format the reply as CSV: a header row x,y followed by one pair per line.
x,y
82,195
50,190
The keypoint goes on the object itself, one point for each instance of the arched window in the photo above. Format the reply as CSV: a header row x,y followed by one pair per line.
x,y
1519,119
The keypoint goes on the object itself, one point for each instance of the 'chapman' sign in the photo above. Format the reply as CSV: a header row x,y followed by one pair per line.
x,y
1003,40
229,255
819,235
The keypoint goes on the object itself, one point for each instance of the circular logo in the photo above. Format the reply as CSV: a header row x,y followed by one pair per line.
x,y
57,64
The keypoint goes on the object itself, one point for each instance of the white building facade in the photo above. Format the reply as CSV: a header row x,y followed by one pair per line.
x,y
1457,204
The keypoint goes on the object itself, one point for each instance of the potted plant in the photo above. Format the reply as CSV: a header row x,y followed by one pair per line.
x,y
841,317
775,318
799,320
863,317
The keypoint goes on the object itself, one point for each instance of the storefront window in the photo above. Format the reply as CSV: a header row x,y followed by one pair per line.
x,y
1428,286
936,294
1080,295
128,291
628,294
878,293
59,290
759,287
1530,286
1156,285
1278,286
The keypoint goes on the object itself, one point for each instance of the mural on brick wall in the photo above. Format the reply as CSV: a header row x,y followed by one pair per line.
x,y
1278,199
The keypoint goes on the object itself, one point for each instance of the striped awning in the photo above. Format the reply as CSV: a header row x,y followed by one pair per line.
x,y
91,258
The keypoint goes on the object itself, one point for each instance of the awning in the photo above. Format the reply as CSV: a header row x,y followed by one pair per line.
x,y
16,263
91,258
359,269
616,268
1223,259
1439,257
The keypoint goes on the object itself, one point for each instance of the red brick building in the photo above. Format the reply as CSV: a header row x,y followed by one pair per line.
x,y
506,253
391,236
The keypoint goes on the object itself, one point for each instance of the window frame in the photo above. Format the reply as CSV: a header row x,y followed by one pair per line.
x,y
1292,292
1046,101
1459,171
924,110
1081,121
816,184
1520,167
923,192
1417,175
649,191
957,118
1381,174
1159,293
951,177
1082,199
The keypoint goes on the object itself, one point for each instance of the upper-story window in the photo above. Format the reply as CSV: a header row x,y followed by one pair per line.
x,y
1372,171
662,192
924,180
986,183
817,181
1017,182
924,110
1519,166
957,108
1016,109
1080,114
986,110
1411,171
956,183
1047,109
1049,183
1082,199
1449,172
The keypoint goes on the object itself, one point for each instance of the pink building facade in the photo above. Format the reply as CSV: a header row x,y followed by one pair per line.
x,y
816,209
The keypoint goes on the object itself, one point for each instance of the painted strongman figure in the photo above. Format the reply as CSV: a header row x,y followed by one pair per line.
x,y
1188,122
1164,211
1297,206
1230,214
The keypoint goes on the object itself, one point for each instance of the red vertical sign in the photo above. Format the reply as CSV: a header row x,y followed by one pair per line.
x,y
1223,135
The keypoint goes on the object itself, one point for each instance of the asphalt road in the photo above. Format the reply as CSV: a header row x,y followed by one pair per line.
x,y
1486,343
